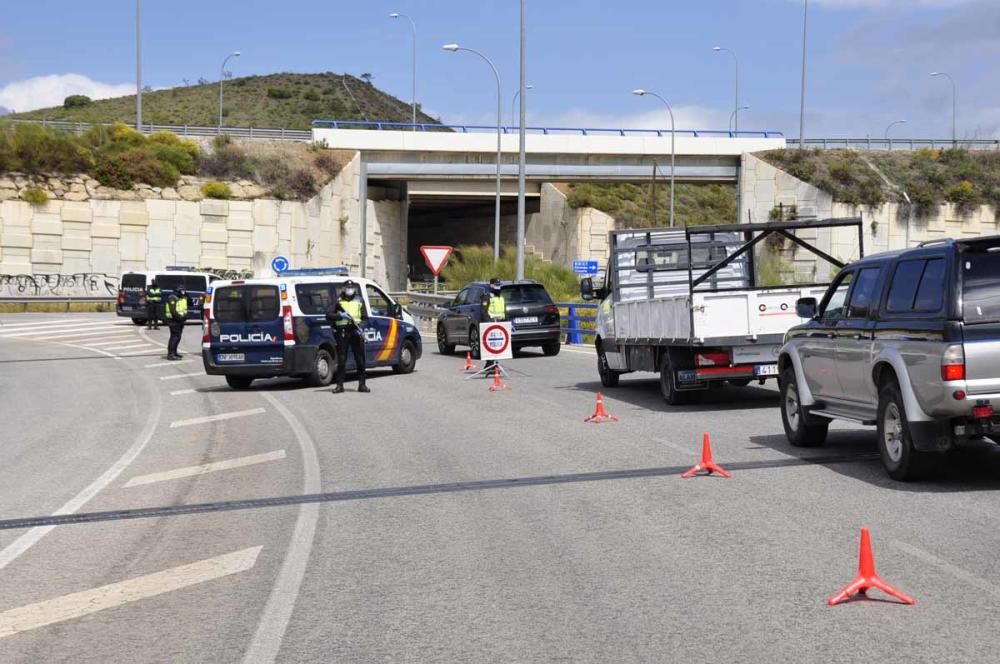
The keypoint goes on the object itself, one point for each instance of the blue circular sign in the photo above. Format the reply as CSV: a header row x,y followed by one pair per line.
x,y
279,264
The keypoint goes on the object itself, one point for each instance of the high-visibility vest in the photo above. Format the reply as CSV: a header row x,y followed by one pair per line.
x,y
153,295
497,307
180,307
353,309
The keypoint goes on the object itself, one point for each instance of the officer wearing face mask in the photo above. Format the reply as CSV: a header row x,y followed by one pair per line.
x,y
347,315
495,308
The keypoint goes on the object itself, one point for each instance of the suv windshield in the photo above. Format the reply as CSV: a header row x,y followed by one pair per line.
x,y
525,294
981,285
245,304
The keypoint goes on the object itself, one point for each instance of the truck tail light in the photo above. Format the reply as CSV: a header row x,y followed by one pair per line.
x,y
982,412
953,363
286,314
712,358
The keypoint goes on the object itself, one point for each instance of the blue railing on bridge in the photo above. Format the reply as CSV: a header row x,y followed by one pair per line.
x,y
571,321
580,131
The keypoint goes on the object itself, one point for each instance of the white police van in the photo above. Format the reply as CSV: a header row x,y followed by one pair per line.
x,y
262,328
132,290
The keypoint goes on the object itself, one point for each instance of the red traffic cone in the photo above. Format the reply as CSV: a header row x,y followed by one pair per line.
x,y
497,385
469,366
867,578
600,415
706,463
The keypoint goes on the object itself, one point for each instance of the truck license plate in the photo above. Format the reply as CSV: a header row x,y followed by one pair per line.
x,y
230,357
526,320
765,370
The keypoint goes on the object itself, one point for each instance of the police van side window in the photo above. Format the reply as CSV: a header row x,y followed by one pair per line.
x,y
315,299
378,303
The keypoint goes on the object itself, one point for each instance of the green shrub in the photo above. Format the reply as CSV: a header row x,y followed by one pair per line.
x,y
35,196
279,93
35,149
77,101
175,155
326,163
122,134
222,141
231,162
173,140
963,195
475,263
311,95
112,172
218,190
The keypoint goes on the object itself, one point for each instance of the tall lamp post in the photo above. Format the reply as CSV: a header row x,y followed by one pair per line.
x,y
733,115
513,103
222,77
521,133
736,98
413,84
802,97
642,92
954,106
138,66
891,125
496,220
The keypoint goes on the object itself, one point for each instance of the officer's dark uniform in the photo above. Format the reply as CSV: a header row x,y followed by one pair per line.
x,y
347,315
153,298
177,306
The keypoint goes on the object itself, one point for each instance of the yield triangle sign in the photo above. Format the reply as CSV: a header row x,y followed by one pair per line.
x,y
436,257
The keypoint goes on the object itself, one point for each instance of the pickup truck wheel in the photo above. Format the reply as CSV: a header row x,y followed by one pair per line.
x,y
900,458
609,377
671,394
801,428
444,347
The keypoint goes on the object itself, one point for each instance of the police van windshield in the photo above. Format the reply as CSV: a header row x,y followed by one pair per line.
x,y
246,304
190,282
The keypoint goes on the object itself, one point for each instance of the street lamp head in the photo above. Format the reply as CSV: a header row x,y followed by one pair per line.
x,y
394,15
716,48
639,91
529,87
236,53
935,73
451,47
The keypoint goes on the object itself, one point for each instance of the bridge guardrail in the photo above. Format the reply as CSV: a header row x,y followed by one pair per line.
x,y
582,131
895,143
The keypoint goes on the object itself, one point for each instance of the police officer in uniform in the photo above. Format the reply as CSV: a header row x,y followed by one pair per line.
x,y
153,298
496,308
347,315
177,308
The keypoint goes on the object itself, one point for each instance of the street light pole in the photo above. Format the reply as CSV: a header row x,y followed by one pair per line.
x,y
521,154
673,170
138,66
513,102
413,86
891,125
736,100
222,77
954,106
802,98
733,114
496,215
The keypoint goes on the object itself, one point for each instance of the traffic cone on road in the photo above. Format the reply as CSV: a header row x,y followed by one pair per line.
x,y
600,415
498,385
469,366
867,577
706,464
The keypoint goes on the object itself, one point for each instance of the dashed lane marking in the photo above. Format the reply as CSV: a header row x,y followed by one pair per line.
x,y
102,344
130,346
53,321
85,327
187,375
216,418
166,364
107,334
177,393
205,468
82,603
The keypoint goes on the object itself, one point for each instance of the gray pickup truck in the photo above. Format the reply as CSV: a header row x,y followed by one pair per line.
x,y
908,341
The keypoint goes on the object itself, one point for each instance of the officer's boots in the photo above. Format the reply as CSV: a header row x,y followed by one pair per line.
x,y
338,389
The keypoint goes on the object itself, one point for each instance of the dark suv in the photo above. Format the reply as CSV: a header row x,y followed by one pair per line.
x,y
908,341
531,312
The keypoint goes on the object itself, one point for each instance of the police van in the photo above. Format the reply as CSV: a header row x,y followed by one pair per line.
x,y
132,290
262,328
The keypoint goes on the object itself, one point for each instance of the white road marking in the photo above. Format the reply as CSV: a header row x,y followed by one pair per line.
x,y
145,351
165,364
15,549
102,344
948,567
205,468
51,321
109,334
187,375
128,346
82,327
278,611
82,603
216,418
177,393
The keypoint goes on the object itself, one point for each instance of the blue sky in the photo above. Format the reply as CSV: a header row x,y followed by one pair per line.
x,y
868,59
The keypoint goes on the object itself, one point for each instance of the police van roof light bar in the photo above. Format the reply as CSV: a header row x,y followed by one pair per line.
x,y
340,271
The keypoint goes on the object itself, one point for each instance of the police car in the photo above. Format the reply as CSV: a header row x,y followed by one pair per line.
x,y
261,328
132,290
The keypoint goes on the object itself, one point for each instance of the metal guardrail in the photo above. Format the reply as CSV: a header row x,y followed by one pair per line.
x,y
571,322
261,133
894,143
580,131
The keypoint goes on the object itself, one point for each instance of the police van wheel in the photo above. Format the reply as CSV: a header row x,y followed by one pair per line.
x,y
407,359
239,382
323,369
138,321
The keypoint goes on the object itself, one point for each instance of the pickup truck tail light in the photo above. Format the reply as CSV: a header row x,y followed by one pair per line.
x,y
982,412
953,363
712,358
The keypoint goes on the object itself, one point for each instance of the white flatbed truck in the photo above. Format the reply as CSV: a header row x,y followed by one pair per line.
x,y
684,303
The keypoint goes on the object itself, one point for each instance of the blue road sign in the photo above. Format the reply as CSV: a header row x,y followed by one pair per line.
x,y
585,267
279,264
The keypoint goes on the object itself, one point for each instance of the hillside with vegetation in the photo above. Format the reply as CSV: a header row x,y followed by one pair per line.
x,y
288,101
632,205
966,178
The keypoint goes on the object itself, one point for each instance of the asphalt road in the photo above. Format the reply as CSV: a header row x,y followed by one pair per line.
x,y
418,550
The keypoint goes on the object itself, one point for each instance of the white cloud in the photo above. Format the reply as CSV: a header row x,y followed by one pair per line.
x,y
45,91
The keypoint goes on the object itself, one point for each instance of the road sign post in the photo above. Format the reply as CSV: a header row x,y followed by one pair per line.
x,y
436,257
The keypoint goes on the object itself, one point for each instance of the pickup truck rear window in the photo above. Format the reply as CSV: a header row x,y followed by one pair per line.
x,y
981,286
245,304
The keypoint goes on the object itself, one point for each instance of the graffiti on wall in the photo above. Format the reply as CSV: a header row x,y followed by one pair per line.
x,y
229,274
81,284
